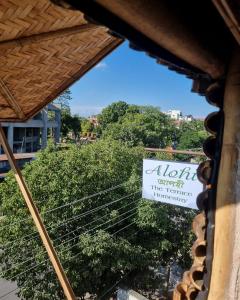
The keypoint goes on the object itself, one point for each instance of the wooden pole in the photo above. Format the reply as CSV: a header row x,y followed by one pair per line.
x,y
37,219
172,151
225,277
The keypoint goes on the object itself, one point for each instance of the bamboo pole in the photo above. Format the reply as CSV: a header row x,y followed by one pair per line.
x,y
37,219
225,277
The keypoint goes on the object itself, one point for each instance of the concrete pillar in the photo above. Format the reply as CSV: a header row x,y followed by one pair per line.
x,y
58,128
44,128
10,135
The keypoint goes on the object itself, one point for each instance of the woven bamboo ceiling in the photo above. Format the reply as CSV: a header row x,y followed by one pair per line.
x,y
43,49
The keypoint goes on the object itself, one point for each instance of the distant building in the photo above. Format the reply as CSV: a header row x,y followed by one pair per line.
x,y
94,120
32,135
188,118
174,114
177,115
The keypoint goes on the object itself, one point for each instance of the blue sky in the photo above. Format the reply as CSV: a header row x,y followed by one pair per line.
x,y
134,77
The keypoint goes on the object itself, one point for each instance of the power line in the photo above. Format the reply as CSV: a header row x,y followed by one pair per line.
x,y
1,297
69,240
32,258
69,220
124,228
70,203
113,286
103,229
78,228
84,198
5,295
44,261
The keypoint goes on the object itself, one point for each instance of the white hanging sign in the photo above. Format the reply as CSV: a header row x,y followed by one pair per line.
x,y
171,182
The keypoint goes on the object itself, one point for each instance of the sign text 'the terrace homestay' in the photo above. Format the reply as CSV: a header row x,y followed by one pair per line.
x,y
171,182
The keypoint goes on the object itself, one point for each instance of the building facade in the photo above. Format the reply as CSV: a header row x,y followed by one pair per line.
x,y
177,115
32,135
174,114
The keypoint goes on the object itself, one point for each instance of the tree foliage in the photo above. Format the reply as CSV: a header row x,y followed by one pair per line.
x,y
112,113
86,126
192,135
63,100
69,124
100,252
141,125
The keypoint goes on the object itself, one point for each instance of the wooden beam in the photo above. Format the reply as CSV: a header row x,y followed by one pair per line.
x,y
37,219
43,36
19,156
225,277
12,102
230,13
159,21
192,153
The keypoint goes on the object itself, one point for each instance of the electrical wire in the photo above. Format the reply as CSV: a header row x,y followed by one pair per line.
x,y
78,228
113,286
70,203
32,258
71,257
10,292
44,261
36,235
124,228
5,295
69,240
67,204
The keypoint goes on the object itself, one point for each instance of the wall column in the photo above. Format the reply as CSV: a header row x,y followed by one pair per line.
x,y
10,136
58,128
44,128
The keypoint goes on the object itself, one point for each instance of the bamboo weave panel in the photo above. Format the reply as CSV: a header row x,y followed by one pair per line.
x,y
43,49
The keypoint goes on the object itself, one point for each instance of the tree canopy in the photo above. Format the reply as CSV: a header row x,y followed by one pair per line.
x,y
69,123
112,113
128,234
89,197
139,125
86,126
192,135
63,100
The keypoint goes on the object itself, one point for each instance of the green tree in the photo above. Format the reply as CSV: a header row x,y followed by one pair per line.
x,y
145,125
105,245
70,124
63,101
192,135
86,126
112,113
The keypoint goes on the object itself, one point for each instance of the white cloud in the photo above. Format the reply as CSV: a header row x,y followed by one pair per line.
x,y
102,65
86,111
